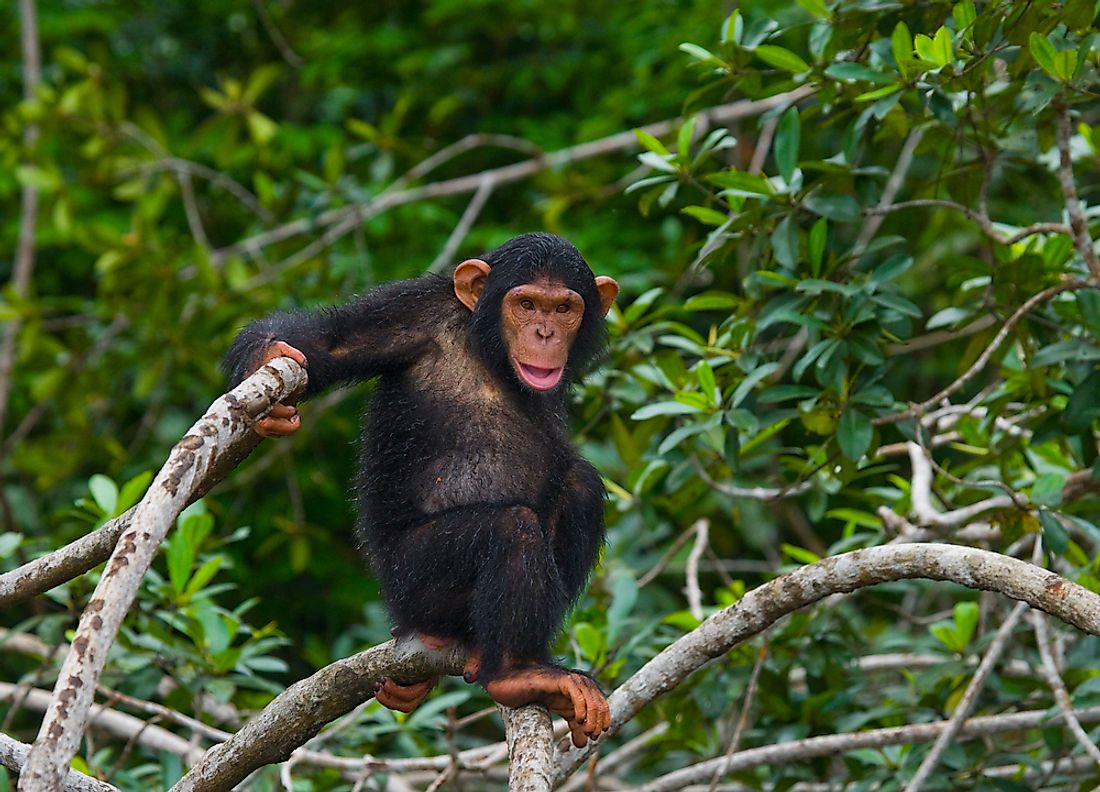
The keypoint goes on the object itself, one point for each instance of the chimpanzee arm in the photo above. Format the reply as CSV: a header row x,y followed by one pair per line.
x,y
384,330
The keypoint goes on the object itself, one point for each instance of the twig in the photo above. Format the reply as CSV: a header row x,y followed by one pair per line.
x,y
756,493
1078,224
622,756
921,496
191,210
835,744
465,223
664,560
766,604
120,724
873,222
277,37
763,145
949,733
984,223
622,141
984,358
228,421
743,718
691,573
28,212
1053,678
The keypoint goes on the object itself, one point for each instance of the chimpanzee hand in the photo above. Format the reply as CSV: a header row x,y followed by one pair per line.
x,y
283,419
571,694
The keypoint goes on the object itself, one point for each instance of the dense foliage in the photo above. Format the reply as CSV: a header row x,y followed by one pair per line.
x,y
899,252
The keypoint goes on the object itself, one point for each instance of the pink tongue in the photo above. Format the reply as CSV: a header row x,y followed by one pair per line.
x,y
540,378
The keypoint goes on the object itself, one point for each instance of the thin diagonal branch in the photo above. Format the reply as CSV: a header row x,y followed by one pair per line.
x,y
1080,227
977,683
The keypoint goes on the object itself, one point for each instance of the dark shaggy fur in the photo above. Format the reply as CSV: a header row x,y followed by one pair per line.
x,y
480,520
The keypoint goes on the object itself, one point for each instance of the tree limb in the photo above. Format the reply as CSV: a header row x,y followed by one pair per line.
x,y
13,755
299,712
833,744
76,558
228,420
766,604
530,738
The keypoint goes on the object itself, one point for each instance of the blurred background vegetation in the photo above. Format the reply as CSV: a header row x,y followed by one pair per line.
x,y
769,327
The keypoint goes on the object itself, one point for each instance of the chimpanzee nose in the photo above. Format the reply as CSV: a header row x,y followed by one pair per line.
x,y
544,331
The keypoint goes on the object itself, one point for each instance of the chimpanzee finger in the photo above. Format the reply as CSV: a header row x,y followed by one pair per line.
x,y
576,730
571,687
597,721
283,349
283,420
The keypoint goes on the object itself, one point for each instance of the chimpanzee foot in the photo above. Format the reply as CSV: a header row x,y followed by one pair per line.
x,y
403,698
571,694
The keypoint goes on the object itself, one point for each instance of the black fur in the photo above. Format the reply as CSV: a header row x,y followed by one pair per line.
x,y
478,516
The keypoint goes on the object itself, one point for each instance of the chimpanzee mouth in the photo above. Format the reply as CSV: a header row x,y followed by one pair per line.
x,y
541,379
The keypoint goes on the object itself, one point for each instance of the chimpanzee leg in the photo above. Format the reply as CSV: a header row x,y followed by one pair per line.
x,y
519,599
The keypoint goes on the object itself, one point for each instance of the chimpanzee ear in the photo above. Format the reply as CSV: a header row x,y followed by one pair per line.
x,y
609,290
470,277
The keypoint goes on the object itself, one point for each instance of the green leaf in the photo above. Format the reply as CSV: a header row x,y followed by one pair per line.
x,y
924,47
651,143
132,491
742,182
785,242
704,374
901,43
819,234
104,493
788,139
705,215
1043,51
203,575
733,28
683,140
664,408
815,7
1083,405
180,554
712,301
1055,537
964,14
799,554
966,620
781,58
840,208
848,72
1047,489
702,55
942,47
854,433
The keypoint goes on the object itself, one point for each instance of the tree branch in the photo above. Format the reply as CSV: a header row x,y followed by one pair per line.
x,y
299,712
622,141
984,358
765,605
834,744
13,755
530,736
1078,224
28,213
229,420
264,388
947,736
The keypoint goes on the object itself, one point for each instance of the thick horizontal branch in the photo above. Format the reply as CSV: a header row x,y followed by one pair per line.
x,y
228,421
767,604
299,712
250,400
13,755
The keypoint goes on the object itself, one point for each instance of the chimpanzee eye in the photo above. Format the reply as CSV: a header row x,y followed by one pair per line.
x,y
563,308
527,305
